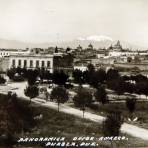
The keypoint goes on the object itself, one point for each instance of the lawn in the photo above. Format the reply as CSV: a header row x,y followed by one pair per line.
x,y
141,111
59,124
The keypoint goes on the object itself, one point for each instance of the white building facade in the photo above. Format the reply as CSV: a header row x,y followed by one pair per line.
x,y
121,53
31,61
9,52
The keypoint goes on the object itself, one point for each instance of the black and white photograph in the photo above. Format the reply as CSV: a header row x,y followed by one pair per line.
x,y
73,74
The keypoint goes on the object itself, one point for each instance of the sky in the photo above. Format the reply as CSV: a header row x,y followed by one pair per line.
x,y
64,20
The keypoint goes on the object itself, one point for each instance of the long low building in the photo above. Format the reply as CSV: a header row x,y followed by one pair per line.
x,y
27,61
9,52
143,66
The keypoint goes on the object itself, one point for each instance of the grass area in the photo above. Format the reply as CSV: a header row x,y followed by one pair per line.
x,y
141,111
59,124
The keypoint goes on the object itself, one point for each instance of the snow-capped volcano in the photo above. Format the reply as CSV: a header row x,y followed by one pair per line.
x,y
96,38
96,41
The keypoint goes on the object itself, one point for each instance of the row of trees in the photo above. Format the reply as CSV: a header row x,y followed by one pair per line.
x,y
115,81
83,98
32,75
112,79
90,76
59,94
121,86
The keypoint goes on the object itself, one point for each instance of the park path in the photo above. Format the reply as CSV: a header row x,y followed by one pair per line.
x,y
126,128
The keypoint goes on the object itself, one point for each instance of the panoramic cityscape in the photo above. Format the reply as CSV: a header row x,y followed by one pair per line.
x,y
62,86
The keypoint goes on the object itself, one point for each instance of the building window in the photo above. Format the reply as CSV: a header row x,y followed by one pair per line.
x,y
19,63
25,63
37,63
13,63
31,63
48,64
43,64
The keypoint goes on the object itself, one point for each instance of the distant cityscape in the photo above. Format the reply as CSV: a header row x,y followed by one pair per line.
x,y
67,59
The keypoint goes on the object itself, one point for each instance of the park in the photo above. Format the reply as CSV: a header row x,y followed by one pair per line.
x,y
81,101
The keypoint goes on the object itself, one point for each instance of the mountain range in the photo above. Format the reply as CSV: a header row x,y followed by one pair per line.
x,y
96,41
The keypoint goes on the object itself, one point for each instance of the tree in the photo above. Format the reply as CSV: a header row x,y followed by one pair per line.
x,y
78,76
59,77
59,94
2,80
97,77
32,76
129,87
91,71
119,86
19,70
145,89
91,68
11,72
85,76
112,124
48,75
31,91
68,49
142,87
112,74
18,78
131,104
56,49
42,73
82,99
93,79
101,95
140,78
101,75
138,89
24,72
